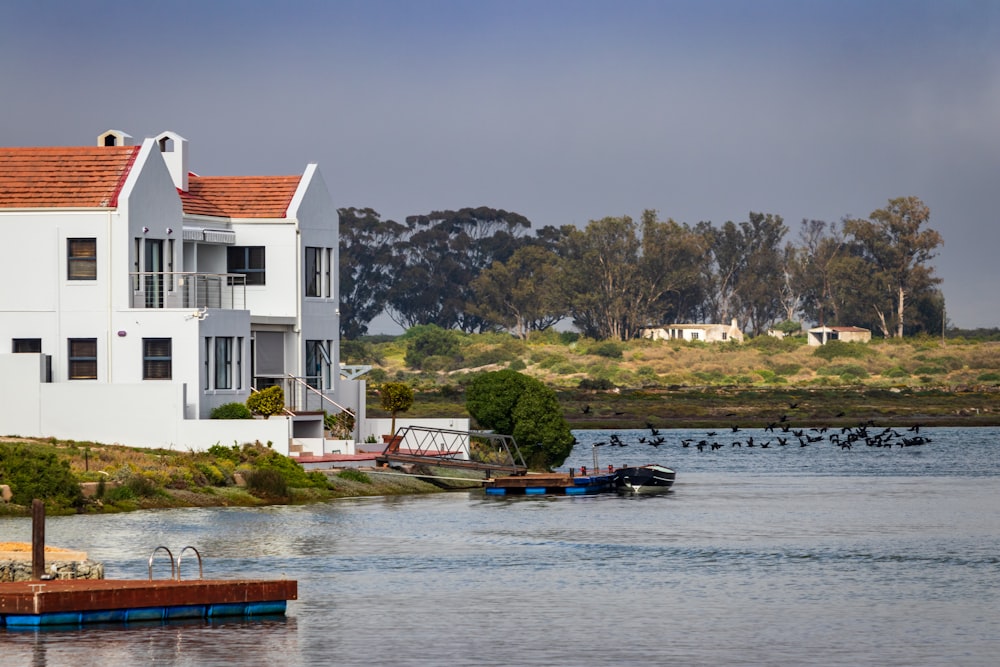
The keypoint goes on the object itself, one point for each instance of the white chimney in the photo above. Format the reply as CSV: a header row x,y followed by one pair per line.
x,y
114,138
174,149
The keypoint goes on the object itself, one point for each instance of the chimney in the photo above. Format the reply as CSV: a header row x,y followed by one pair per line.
x,y
114,138
174,149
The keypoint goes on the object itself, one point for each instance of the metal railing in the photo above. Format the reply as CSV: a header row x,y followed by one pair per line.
x,y
188,290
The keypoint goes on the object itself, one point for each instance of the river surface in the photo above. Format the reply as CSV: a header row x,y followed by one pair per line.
x,y
786,555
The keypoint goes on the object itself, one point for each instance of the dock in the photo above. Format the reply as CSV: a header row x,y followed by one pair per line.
x,y
31,604
569,484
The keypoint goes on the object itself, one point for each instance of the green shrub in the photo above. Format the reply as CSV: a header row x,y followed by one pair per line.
x,y
896,372
517,365
786,369
222,452
988,377
267,482
267,402
341,425
837,348
599,384
608,349
355,476
928,369
231,411
429,340
33,472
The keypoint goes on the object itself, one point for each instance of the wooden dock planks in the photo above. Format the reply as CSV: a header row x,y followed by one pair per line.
x,y
60,601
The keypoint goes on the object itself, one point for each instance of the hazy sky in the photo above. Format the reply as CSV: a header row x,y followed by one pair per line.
x,y
564,111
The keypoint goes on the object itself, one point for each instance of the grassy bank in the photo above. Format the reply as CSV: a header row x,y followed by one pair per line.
x,y
121,479
604,384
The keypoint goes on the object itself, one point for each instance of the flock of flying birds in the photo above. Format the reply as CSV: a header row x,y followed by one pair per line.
x,y
781,434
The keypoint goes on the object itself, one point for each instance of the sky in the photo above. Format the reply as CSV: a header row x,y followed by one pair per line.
x,y
564,111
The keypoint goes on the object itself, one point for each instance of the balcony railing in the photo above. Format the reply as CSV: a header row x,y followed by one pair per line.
x,y
188,290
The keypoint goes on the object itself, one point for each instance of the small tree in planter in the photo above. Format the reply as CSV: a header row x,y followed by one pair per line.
x,y
267,402
395,397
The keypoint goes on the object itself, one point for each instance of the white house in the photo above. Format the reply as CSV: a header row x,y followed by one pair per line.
x,y
709,333
138,296
821,335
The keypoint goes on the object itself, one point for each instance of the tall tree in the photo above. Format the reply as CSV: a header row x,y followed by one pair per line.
x,y
523,294
601,265
898,244
366,267
759,280
442,253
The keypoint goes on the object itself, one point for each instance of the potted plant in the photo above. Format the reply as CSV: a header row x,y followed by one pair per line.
x,y
395,397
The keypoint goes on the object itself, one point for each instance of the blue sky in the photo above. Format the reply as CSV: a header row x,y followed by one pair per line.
x,y
563,111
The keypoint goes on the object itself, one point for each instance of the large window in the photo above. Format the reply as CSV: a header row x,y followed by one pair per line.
x,y
247,260
156,358
81,257
26,345
314,268
82,359
223,363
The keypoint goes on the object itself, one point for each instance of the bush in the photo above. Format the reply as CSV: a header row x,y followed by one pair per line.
x,y
354,476
267,402
231,411
267,482
341,425
429,340
608,349
35,473
395,397
599,384
839,349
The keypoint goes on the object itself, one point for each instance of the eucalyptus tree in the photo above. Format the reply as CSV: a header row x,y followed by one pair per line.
x,y
899,245
442,253
523,294
367,263
759,279
621,276
600,272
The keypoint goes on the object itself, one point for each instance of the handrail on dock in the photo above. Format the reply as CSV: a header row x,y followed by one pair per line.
x,y
173,567
201,571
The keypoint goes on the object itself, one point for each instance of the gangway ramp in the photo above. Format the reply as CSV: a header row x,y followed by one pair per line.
x,y
471,450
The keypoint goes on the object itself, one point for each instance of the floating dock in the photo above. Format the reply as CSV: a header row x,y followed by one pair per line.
x,y
551,484
27,604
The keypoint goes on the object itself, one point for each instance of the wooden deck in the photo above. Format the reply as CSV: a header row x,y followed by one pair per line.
x,y
549,484
80,601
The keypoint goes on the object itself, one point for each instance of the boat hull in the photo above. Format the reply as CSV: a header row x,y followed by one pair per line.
x,y
644,480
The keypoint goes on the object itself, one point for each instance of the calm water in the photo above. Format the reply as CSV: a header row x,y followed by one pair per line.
x,y
779,556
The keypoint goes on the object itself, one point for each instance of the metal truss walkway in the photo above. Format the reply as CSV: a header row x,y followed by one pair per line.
x,y
471,450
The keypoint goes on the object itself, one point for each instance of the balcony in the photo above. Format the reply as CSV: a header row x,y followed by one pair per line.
x,y
188,290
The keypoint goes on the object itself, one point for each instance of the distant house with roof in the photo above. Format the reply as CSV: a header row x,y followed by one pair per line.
x,y
822,335
138,296
709,333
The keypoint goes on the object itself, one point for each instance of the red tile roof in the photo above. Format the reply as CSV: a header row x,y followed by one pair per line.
x,y
64,177
239,196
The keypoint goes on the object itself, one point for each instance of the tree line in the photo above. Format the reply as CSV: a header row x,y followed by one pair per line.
x,y
482,269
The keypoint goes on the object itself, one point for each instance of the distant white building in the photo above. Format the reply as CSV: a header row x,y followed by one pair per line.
x,y
709,333
137,296
822,335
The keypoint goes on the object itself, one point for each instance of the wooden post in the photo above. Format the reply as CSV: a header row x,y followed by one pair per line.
x,y
37,539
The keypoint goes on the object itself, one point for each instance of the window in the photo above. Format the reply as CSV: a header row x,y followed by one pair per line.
x,y
246,260
26,345
223,363
694,335
327,282
314,267
81,259
317,364
82,358
156,358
